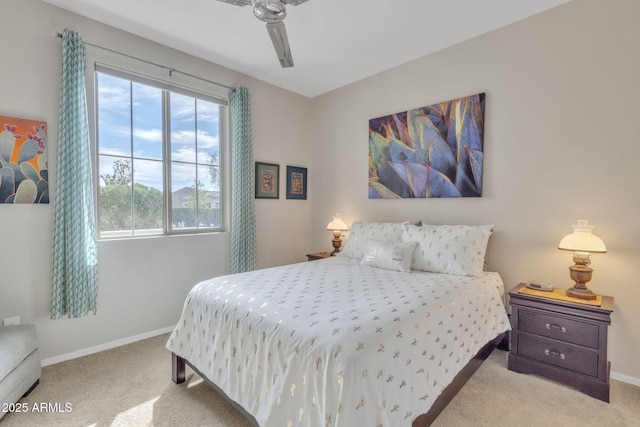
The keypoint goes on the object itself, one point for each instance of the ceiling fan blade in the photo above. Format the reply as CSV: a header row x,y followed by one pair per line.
x,y
292,2
238,2
278,34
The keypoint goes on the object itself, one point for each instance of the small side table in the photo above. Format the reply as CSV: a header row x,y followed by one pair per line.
x,y
318,255
562,340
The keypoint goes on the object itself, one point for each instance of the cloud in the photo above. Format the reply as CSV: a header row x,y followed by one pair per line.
x,y
148,135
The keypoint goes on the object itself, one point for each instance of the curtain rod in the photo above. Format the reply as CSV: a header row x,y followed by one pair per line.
x,y
171,69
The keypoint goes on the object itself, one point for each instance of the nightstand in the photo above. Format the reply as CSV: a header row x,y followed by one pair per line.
x,y
318,255
565,341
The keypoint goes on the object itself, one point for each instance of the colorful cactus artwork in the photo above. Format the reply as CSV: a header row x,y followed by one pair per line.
x,y
24,172
433,151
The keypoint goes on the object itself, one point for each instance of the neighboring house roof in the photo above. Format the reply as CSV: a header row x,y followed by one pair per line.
x,y
183,197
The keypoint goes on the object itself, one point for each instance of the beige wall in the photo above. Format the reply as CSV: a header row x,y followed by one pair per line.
x,y
561,144
143,282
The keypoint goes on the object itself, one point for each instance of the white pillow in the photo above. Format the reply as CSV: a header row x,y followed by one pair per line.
x,y
361,232
388,255
451,249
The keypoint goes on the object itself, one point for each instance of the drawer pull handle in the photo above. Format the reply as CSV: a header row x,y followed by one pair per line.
x,y
555,353
558,327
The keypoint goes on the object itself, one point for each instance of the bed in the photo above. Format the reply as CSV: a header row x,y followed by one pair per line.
x,y
366,338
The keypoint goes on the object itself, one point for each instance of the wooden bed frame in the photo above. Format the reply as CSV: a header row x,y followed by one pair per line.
x,y
501,342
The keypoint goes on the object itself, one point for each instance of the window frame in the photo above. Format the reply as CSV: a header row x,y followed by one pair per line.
x,y
200,92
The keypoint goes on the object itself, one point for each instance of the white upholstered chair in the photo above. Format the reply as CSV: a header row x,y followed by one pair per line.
x,y
19,362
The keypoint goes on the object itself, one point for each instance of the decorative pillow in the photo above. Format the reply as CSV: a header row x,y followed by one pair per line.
x,y
451,249
388,255
361,232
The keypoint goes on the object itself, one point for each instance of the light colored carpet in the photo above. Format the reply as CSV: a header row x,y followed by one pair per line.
x,y
131,386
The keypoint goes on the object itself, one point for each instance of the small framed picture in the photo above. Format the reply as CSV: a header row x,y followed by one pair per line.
x,y
267,181
296,183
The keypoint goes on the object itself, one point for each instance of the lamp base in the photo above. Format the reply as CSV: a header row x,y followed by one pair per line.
x,y
581,293
581,273
337,242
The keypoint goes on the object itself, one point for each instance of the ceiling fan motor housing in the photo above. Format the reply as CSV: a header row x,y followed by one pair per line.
x,y
269,11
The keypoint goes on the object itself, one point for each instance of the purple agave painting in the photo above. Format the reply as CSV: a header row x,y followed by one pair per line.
x,y
433,151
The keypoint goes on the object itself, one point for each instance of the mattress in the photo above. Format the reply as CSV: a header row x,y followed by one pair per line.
x,y
336,343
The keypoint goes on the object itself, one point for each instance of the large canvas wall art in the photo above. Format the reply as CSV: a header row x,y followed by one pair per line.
x,y
24,172
433,151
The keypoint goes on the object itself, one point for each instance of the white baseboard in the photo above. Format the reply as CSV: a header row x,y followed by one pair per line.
x,y
625,379
105,346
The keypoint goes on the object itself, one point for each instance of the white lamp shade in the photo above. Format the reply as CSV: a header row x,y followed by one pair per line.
x,y
337,224
582,239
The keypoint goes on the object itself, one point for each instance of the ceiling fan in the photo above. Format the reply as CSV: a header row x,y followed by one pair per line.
x,y
273,13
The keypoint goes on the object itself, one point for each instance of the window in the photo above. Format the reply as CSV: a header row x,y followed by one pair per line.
x,y
159,157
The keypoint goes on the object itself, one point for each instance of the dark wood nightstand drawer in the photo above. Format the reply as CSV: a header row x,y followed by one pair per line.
x,y
562,340
560,354
559,328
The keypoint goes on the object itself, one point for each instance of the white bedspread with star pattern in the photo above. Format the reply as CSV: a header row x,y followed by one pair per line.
x,y
335,343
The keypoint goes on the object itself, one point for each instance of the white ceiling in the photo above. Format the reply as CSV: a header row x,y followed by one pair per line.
x,y
334,42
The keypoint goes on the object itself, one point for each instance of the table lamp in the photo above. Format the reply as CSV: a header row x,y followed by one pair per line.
x,y
583,243
337,226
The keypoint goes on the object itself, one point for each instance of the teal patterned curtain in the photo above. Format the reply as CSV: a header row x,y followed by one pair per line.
x,y
75,255
243,217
